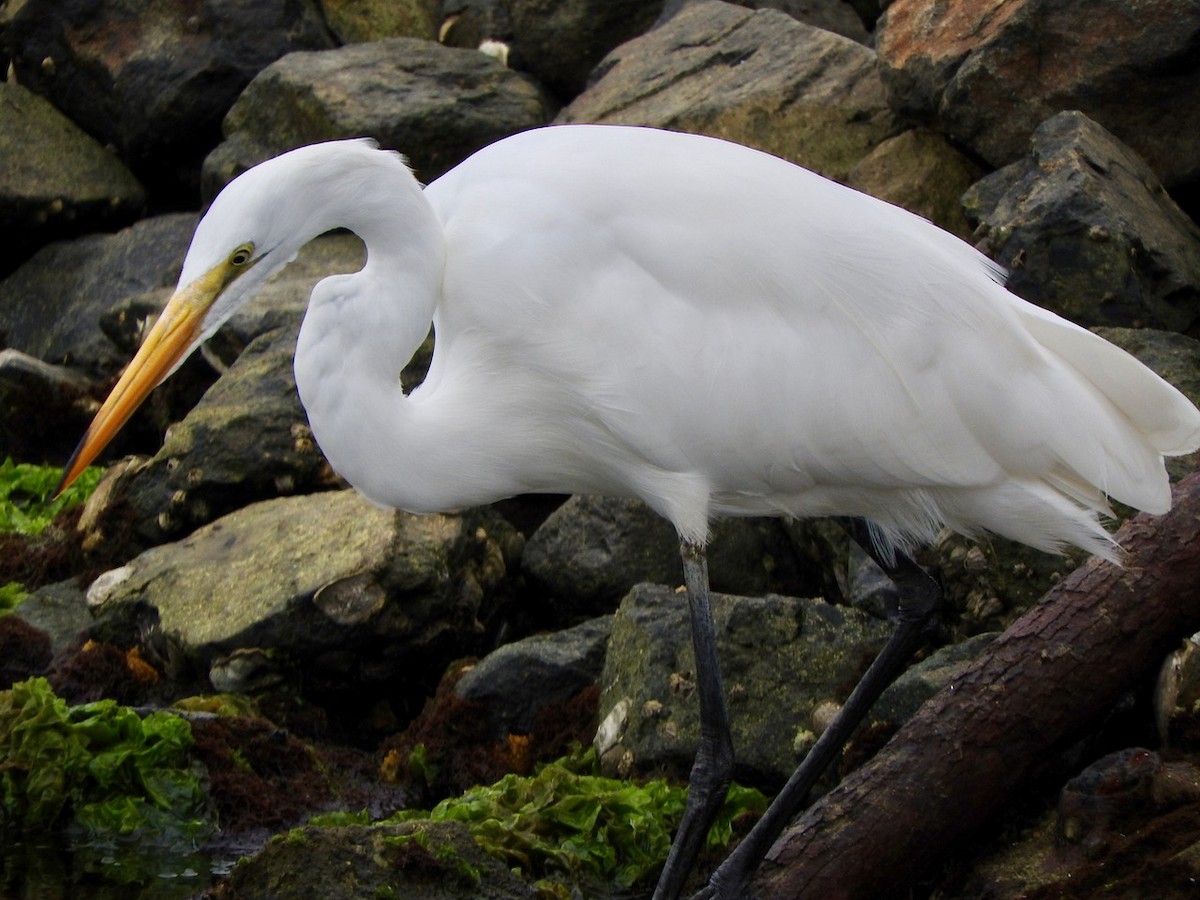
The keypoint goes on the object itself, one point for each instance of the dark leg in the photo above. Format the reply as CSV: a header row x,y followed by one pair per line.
x,y
713,768
920,598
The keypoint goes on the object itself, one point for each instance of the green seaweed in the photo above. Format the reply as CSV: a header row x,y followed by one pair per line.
x,y
99,770
27,501
567,822
11,595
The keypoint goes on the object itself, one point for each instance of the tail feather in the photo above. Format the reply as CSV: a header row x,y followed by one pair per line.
x,y
1165,417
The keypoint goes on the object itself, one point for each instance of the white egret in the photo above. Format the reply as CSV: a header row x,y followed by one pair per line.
x,y
634,312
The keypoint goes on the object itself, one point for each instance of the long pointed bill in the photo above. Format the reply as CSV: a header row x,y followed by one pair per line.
x,y
168,342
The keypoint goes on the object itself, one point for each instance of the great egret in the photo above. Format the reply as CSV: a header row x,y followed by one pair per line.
x,y
634,312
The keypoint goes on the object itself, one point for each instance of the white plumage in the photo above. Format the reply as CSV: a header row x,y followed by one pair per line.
x,y
634,312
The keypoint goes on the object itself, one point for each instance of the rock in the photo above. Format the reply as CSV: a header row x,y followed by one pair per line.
x,y
560,43
59,611
987,584
515,682
912,688
51,306
868,587
922,172
1177,698
781,657
43,408
989,73
154,80
830,15
356,21
55,180
758,78
591,551
25,651
435,104
469,23
1119,793
1125,827
246,440
350,595
1086,230
418,860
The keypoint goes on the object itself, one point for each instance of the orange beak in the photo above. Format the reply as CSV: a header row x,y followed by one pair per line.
x,y
169,341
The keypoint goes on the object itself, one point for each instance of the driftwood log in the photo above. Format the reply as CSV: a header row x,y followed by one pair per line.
x,y
968,751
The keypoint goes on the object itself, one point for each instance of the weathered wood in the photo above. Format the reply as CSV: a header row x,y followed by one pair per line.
x,y
967,752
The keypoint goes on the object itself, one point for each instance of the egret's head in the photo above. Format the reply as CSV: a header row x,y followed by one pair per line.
x,y
254,227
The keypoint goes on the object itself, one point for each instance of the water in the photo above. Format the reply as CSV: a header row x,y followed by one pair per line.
x,y
43,870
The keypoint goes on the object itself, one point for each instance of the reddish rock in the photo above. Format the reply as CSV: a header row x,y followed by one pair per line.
x,y
988,72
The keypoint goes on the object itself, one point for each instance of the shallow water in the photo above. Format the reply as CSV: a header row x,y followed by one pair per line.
x,y
35,870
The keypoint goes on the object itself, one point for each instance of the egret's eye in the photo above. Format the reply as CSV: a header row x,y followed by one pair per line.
x,y
241,255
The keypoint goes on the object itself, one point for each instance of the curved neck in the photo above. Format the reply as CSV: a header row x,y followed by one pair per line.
x,y
360,330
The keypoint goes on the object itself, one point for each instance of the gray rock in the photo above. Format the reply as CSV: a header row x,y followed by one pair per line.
x,y
327,585
830,15
591,551
560,43
358,21
1085,229
415,860
155,79
468,23
435,104
59,611
781,657
518,680
907,693
989,73
43,408
758,78
55,180
1177,697
1124,808
246,440
52,305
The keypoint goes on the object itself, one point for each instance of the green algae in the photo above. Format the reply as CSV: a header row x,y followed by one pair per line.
x,y
98,772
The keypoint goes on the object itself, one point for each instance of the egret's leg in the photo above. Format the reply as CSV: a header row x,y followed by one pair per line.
x,y
919,599
713,767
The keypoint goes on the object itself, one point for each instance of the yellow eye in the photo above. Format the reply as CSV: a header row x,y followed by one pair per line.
x,y
241,255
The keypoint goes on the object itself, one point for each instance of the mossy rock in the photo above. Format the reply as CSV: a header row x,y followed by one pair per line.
x,y
419,860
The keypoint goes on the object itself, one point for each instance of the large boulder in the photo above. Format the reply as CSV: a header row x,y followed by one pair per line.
x,y
758,78
326,592
561,42
782,657
154,79
591,551
55,180
52,306
989,72
435,104
516,684
1085,229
